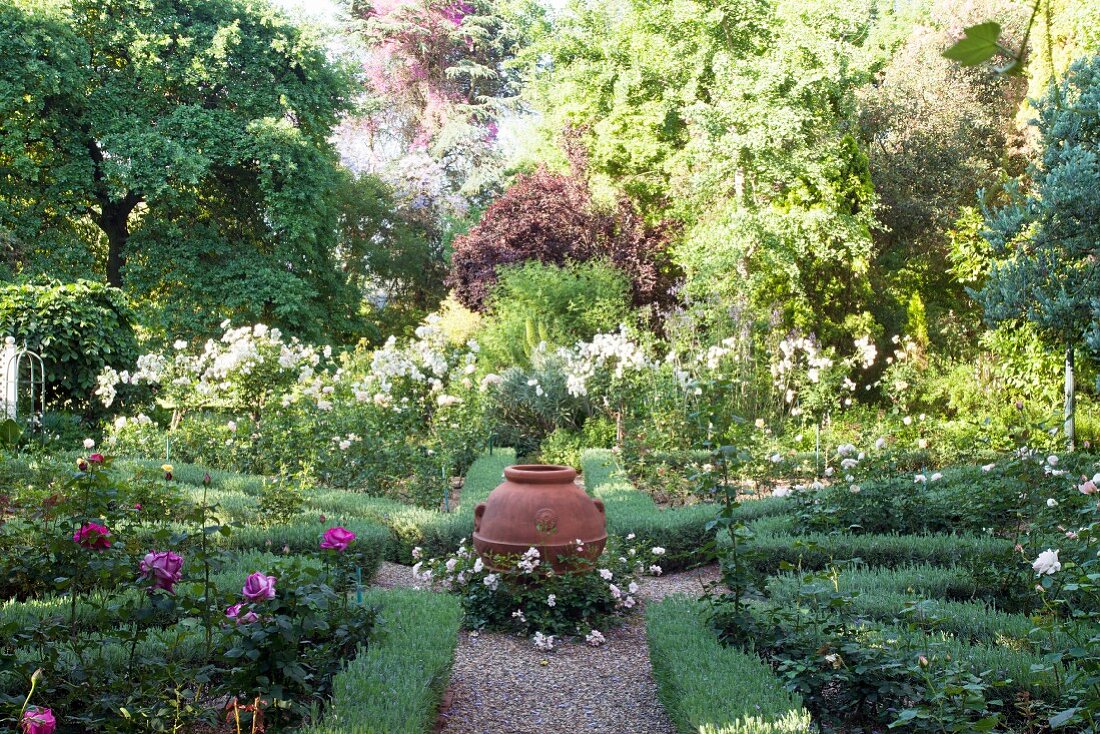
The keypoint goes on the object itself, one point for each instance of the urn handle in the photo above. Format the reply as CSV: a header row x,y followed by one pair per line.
x,y
599,506
478,512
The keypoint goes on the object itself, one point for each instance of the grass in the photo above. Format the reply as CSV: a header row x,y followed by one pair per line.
x,y
395,685
708,688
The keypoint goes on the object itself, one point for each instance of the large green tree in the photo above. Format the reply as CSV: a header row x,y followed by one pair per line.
x,y
936,132
181,148
1047,239
737,119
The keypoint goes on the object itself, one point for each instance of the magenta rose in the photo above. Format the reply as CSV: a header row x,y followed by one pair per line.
x,y
38,721
258,587
248,618
233,611
337,539
92,535
163,568
96,458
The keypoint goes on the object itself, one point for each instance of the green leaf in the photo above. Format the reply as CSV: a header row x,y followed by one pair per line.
x,y
980,44
10,432
1062,717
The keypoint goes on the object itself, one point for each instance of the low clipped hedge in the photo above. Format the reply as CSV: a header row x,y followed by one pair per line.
x,y
438,533
708,688
768,552
954,583
681,531
967,621
395,685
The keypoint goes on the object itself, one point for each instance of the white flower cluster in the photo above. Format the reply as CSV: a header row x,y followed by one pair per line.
x,y
615,353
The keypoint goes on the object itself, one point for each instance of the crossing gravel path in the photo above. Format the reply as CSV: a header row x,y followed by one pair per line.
x,y
503,684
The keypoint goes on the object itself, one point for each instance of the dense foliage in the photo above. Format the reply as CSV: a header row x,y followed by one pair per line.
x,y
551,218
77,328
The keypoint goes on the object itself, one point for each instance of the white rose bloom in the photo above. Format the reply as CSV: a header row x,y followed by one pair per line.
x,y
89,443
1047,563
1052,502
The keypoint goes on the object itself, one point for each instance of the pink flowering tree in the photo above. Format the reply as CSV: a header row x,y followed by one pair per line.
x,y
438,82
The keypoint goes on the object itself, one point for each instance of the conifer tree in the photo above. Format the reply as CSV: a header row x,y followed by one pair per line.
x,y
1047,238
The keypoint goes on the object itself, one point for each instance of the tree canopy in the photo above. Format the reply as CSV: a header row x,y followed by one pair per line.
x,y
181,148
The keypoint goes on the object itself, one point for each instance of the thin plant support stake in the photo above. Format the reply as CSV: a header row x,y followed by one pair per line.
x,y
359,585
446,489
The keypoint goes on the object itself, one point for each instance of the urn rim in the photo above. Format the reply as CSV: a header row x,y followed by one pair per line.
x,y
540,474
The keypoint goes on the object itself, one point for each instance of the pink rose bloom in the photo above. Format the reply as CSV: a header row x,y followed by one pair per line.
x,y
137,506
337,539
96,458
38,721
258,587
233,611
163,568
1089,487
92,535
248,618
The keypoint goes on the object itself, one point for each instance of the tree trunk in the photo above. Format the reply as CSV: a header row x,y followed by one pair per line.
x,y
114,220
1070,426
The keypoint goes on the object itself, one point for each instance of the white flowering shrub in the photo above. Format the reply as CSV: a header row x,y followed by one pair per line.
x,y
398,420
524,594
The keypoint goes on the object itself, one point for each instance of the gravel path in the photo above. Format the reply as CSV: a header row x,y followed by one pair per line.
x,y
502,684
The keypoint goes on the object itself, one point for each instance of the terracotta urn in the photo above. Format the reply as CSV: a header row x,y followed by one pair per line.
x,y
540,506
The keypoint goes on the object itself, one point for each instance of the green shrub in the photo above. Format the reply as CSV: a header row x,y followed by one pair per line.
x,y
438,533
708,688
78,329
394,686
567,447
537,302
